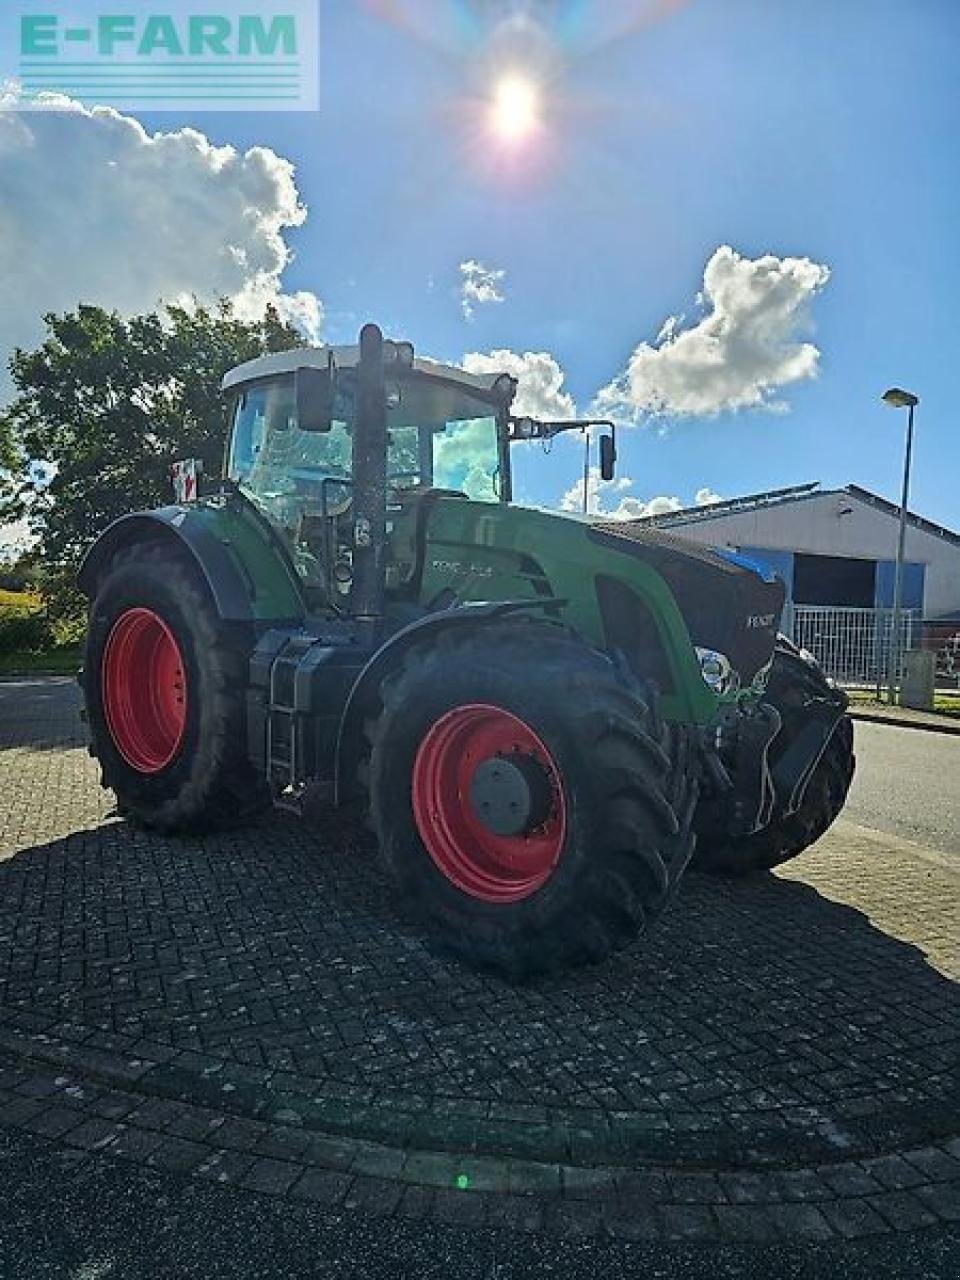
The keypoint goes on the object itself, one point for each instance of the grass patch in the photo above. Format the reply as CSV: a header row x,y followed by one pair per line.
x,y
54,662
946,702
19,601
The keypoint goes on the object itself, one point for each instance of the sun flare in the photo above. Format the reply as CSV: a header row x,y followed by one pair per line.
x,y
515,109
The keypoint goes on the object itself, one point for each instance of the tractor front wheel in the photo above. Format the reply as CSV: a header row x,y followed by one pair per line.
x,y
163,684
528,800
794,684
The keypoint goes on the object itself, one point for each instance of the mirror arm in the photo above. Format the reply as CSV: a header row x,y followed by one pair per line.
x,y
534,429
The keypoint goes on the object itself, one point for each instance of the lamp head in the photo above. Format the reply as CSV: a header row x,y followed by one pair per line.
x,y
897,398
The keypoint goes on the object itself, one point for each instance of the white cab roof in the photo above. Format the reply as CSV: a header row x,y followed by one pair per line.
x,y
345,358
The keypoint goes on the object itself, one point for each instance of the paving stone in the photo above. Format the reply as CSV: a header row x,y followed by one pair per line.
x,y
377,1197
224,1166
750,1188
135,1144
800,1221
432,1169
526,1177
803,1184
240,1135
38,1086
114,1105
155,1113
417,1202
934,1164
746,1221
515,1213
459,1208
18,1111
688,1221
178,1155
626,1218
196,1124
283,1144
941,1198
849,1180
573,1219
323,1187
331,1153
853,1218
271,1176
894,1172
53,1122
903,1210
580,1183
695,1188
94,1134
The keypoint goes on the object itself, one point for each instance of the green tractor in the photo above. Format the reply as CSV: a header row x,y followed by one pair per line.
x,y
544,717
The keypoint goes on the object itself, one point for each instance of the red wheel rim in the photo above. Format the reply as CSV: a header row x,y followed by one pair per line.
x,y
481,863
144,690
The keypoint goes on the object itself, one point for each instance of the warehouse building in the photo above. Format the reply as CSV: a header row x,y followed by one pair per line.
x,y
834,547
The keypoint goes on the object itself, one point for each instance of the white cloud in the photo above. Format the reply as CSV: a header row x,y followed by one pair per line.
x,y
94,209
15,539
479,286
705,497
627,506
540,393
746,346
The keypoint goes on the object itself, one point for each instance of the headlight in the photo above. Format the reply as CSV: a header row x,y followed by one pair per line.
x,y
717,671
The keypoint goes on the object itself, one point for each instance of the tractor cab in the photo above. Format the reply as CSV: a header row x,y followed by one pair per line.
x,y
299,434
301,427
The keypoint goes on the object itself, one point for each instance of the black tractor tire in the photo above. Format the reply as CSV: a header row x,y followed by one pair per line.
x,y
793,683
628,790
207,783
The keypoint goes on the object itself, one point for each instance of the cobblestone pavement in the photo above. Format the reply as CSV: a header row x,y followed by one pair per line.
x,y
778,1060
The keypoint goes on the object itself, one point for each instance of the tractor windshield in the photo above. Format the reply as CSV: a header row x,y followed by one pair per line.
x,y
439,435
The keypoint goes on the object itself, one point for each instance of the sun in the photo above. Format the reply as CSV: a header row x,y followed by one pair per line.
x,y
515,108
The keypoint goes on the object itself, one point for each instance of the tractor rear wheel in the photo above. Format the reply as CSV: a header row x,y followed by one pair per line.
x,y
528,800
164,684
794,682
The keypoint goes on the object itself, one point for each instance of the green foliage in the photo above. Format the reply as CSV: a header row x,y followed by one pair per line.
x,y
111,403
51,662
23,574
24,632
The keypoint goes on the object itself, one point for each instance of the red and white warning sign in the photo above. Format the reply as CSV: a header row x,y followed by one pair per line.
x,y
185,477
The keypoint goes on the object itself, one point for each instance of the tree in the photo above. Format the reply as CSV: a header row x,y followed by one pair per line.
x,y
105,405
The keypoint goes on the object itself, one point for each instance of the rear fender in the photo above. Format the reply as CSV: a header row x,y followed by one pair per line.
x,y
363,695
192,531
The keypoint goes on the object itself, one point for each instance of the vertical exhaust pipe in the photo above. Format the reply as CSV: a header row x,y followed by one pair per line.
x,y
369,484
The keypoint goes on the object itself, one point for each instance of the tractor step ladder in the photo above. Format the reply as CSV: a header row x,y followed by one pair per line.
x,y
288,755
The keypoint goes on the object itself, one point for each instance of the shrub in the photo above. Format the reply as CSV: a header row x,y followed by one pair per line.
x,y
24,632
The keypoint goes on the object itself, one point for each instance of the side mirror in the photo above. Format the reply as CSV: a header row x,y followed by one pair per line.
x,y
608,457
314,395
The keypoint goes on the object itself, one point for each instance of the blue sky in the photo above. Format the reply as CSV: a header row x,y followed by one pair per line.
x,y
825,131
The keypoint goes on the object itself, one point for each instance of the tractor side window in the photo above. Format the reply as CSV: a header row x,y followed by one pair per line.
x,y
465,458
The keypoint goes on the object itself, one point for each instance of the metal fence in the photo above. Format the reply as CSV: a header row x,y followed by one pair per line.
x,y
948,661
852,645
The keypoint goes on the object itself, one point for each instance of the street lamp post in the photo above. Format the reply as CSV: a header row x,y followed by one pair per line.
x,y
897,398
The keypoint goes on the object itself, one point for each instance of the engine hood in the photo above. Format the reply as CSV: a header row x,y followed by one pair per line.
x,y
729,604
